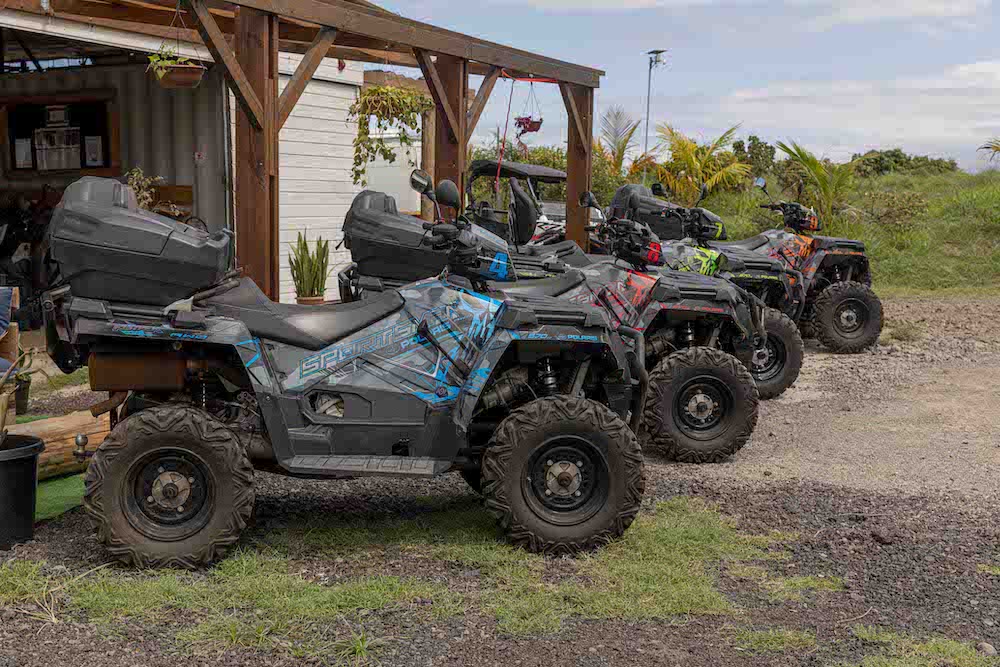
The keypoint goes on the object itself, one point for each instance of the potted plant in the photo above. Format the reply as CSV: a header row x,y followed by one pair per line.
x,y
310,269
175,71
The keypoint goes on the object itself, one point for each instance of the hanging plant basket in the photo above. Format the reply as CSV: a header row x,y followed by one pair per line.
x,y
179,76
527,124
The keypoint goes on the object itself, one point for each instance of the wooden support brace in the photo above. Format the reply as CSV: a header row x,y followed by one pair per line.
x,y
216,42
438,92
303,73
576,122
27,51
482,97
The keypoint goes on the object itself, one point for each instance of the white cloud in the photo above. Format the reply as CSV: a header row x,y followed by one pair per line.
x,y
826,14
950,112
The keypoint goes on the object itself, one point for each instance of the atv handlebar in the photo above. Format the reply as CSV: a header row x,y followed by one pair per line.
x,y
773,207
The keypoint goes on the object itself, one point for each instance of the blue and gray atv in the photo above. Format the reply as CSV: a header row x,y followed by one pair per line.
x,y
528,397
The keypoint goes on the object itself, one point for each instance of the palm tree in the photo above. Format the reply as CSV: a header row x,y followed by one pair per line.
x,y
618,129
693,164
830,181
993,148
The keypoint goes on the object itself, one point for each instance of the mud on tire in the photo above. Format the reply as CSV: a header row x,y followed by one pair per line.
x,y
781,360
685,379
848,317
587,459
169,487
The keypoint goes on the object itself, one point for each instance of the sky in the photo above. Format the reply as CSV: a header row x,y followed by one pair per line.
x,y
838,76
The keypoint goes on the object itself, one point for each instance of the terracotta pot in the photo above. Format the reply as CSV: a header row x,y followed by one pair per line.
x,y
181,77
310,300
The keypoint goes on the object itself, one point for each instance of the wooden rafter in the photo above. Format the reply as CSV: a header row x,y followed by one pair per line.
x,y
576,122
350,18
303,73
482,97
27,51
216,42
433,79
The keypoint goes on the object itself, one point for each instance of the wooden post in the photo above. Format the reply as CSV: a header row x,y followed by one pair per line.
x,y
428,132
448,81
256,191
579,101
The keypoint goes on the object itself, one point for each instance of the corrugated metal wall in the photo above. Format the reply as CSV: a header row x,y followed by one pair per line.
x,y
160,129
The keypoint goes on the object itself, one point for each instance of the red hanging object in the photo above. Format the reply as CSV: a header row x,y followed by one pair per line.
x,y
527,125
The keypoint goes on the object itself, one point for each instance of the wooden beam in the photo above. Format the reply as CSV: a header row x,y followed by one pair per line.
x,y
349,18
428,143
256,165
482,97
303,73
575,120
440,95
222,53
579,102
450,151
27,51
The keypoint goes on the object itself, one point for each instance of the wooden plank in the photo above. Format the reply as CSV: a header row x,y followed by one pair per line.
x,y
482,97
579,103
438,92
27,51
59,435
303,73
349,18
222,53
428,142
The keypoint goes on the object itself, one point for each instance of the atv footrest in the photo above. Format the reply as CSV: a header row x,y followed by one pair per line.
x,y
396,466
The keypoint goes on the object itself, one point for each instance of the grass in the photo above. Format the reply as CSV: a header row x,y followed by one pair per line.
x,y
27,419
992,570
22,581
665,567
58,496
773,640
953,244
57,381
903,331
896,650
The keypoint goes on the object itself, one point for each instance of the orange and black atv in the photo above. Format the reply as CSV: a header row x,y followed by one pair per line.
x,y
841,309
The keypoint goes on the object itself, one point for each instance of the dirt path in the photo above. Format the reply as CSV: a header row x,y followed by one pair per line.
x,y
880,471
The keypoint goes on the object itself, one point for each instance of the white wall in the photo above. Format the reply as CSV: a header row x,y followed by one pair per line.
x,y
394,178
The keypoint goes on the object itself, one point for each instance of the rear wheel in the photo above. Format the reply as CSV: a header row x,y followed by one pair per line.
x,y
848,317
701,406
776,365
563,475
169,487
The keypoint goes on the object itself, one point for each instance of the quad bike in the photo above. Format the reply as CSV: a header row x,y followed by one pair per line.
x,y
702,404
840,308
776,364
208,380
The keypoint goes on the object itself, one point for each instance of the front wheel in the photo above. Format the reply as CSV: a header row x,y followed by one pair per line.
x,y
701,406
169,487
563,475
777,363
848,317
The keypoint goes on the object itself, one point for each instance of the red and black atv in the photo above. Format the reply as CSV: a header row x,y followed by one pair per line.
x,y
841,310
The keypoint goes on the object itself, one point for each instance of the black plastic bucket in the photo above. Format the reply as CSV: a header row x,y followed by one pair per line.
x,y
18,488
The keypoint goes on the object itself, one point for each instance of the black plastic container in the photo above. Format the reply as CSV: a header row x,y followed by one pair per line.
x,y
110,249
18,488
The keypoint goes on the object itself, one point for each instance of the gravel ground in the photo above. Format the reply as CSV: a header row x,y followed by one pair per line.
x,y
884,464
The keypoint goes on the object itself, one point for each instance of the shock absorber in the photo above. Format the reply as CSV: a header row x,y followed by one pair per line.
x,y
688,334
547,377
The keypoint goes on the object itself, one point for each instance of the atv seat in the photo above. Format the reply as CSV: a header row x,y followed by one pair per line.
x,y
524,217
308,327
543,287
751,243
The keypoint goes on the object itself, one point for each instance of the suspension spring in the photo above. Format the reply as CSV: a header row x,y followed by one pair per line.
x,y
547,377
688,334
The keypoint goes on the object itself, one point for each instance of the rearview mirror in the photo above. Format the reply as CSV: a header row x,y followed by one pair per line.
x,y
588,200
702,194
448,194
422,182
658,190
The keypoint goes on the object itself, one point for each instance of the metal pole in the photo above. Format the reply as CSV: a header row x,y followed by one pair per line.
x,y
649,91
